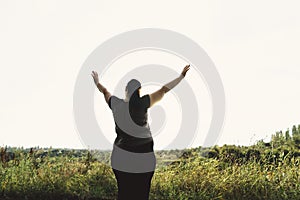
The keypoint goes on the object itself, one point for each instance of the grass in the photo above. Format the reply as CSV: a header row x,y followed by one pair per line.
x,y
262,171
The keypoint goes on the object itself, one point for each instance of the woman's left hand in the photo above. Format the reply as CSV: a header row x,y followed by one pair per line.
x,y
95,77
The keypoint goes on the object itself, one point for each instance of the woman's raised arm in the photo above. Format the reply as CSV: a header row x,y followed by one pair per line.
x,y
158,95
101,88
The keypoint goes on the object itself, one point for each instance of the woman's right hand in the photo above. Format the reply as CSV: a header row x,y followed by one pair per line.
x,y
185,69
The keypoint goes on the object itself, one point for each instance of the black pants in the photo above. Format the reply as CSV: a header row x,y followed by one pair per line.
x,y
133,186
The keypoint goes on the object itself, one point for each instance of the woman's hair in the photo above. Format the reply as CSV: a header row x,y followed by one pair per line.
x,y
132,89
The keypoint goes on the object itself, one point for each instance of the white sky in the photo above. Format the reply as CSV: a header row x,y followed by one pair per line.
x,y
255,46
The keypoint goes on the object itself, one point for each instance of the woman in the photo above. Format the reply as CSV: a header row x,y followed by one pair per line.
x,y
133,160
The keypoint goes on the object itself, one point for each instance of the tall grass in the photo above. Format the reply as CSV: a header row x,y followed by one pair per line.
x,y
192,177
263,171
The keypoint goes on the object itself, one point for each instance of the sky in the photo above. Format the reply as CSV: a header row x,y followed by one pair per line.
x,y
254,45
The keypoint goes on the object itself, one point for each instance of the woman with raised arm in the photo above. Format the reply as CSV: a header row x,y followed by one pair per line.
x,y
133,160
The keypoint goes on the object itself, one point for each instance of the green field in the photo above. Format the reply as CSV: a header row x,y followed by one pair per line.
x,y
262,171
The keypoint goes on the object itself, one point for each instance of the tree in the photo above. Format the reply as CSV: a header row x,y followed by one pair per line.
x,y
296,135
287,135
295,131
278,139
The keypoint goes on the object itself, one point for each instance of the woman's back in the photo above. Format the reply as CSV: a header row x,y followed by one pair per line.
x,y
131,123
